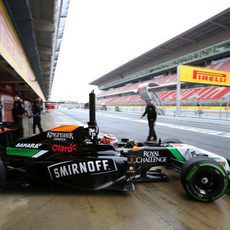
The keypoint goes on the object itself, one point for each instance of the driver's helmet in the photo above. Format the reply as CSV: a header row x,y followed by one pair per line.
x,y
131,143
109,139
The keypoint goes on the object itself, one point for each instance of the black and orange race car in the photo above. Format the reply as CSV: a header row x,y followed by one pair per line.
x,y
79,157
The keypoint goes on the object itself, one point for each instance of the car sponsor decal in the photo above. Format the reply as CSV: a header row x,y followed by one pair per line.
x,y
24,152
87,166
28,145
63,148
150,156
60,136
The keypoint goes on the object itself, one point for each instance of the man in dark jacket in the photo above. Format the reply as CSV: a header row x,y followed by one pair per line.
x,y
37,107
150,110
18,112
0,112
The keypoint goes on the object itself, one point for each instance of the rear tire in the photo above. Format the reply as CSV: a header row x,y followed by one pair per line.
x,y
204,179
2,173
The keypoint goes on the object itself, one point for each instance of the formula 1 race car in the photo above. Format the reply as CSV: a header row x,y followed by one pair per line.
x,y
79,157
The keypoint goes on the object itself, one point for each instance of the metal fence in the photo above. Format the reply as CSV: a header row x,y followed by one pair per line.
x,y
216,112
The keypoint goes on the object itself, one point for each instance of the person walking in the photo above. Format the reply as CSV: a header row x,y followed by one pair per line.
x,y
150,110
17,113
0,112
37,107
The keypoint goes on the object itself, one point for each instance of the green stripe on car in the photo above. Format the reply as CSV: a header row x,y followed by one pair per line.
x,y
176,154
21,152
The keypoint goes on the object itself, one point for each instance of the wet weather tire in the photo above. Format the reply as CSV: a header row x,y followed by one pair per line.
x,y
2,173
204,179
172,140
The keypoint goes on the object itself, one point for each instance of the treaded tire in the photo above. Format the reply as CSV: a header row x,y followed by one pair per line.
x,y
2,173
172,140
204,179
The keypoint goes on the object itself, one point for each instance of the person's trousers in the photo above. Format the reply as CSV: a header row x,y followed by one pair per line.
x,y
19,126
37,122
152,133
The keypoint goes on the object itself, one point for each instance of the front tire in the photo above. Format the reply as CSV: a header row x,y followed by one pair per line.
x,y
204,179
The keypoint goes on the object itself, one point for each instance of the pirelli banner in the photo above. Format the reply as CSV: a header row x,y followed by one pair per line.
x,y
203,75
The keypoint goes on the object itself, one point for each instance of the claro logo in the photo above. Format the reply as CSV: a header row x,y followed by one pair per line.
x,y
62,148
209,76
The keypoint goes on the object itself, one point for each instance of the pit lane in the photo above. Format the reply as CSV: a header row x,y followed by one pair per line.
x,y
161,205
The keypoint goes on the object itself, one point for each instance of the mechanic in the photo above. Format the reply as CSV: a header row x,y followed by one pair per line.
x,y
18,112
150,110
37,107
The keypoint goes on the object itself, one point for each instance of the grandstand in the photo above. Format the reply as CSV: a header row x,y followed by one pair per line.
x,y
205,45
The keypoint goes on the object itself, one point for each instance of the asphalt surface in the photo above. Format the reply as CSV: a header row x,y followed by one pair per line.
x,y
159,205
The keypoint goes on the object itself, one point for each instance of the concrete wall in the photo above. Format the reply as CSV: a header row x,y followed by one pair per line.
x,y
7,105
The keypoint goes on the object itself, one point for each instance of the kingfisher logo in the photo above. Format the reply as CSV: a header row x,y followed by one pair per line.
x,y
60,136
209,77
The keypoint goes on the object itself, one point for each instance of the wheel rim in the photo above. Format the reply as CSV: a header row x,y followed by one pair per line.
x,y
204,179
206,182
